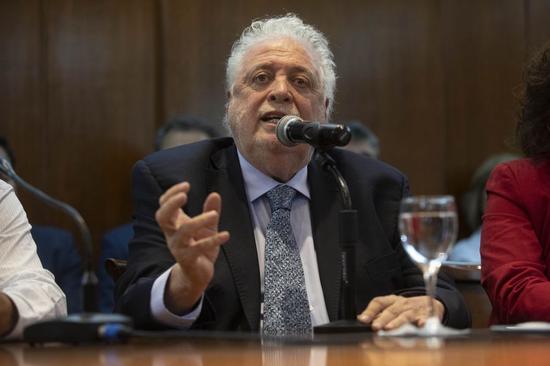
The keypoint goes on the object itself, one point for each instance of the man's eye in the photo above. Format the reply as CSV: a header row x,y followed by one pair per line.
x,y
301,82
261,78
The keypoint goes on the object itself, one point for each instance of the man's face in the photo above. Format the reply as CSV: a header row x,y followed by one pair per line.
x,y
277,77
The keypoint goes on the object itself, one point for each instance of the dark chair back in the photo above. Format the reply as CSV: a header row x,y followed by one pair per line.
x,y
467,279
115,267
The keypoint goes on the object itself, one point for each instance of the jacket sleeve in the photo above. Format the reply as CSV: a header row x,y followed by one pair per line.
x,y
149,255
513,272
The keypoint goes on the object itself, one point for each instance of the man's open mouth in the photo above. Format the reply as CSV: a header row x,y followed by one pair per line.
x,y
272,117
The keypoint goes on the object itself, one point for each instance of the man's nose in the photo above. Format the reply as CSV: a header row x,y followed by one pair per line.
x,y
280,92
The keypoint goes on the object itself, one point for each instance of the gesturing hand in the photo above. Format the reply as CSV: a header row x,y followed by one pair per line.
x,y
193,241
390,312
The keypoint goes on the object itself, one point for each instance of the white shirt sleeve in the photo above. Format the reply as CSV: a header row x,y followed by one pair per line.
x,y
165,316
31,287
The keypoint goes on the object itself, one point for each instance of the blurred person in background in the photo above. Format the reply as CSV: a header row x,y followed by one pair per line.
x,y
183,130
363,140
473,206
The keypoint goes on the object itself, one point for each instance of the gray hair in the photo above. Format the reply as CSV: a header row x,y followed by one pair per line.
x,y
293,27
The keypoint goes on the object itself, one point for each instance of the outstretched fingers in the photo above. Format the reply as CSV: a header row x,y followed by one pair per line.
x,y
169,216
212,203
175,189
208,246
195,234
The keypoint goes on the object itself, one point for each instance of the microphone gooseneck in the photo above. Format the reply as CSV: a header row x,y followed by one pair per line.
x,y
348,234
292,130
89,278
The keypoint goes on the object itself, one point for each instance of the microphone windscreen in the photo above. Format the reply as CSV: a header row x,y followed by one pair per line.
x,y
281,129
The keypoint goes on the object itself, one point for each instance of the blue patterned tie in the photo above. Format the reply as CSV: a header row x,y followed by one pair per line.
x,y
286,307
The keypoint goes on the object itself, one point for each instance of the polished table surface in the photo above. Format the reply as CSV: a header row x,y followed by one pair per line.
x,y
480,348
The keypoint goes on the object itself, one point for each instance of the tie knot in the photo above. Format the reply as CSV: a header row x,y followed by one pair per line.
x,y
281,197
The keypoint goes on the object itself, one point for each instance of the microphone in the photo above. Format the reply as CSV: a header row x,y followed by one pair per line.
x,y
76,328
292,130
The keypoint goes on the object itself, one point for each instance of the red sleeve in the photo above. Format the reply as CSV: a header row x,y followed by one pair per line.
x,y
513,271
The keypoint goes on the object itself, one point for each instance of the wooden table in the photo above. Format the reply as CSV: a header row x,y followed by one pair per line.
x,y
481,348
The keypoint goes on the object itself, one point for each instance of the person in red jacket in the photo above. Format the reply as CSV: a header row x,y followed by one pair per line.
x,y
515,239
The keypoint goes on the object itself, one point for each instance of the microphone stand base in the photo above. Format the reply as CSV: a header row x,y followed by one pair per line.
x,y
342,326
75,328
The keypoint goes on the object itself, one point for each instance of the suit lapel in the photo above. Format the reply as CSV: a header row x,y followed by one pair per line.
x,y
240,251
324,208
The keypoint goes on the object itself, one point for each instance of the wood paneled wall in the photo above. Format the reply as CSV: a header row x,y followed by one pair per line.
x,y
84,84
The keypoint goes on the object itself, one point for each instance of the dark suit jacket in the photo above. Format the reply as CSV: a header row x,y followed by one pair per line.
x,y
232,300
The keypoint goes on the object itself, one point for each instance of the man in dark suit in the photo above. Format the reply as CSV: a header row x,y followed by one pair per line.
x,y
192,264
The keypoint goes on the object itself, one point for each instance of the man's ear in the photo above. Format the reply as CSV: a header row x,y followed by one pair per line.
x,y
327,103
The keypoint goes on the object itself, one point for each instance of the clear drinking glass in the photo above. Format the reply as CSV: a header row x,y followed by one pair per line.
x,y
428,227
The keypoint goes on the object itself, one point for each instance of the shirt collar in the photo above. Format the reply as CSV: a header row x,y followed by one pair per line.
x,y
257,183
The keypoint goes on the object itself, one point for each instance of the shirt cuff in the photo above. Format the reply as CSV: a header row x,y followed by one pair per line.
x,y
32,309
165,316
